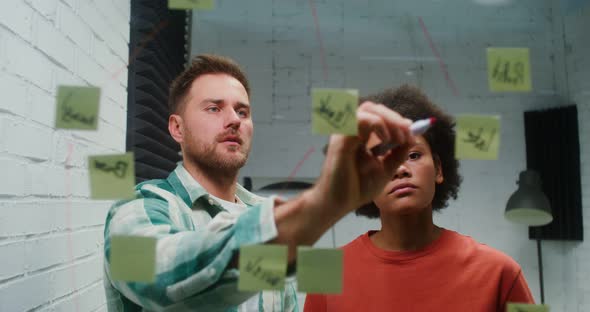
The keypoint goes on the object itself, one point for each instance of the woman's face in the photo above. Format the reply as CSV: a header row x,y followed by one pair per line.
x,y
411,189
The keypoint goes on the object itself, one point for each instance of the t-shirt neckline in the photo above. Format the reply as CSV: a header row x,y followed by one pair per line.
x,y
390,255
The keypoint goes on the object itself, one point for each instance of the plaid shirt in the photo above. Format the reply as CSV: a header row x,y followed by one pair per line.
x,y
192,257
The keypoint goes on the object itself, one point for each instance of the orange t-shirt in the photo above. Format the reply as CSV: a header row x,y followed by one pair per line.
x,y
454,273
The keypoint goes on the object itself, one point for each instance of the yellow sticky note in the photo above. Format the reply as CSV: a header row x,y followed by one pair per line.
x,y
334,111
262,267
509,69
112,176
521,307
478,137
319,270
77,107
191,4
133,259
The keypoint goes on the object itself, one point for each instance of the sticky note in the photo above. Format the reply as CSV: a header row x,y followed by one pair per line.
x,y
334,111
262,267
478,137
112,176
191,4
509,69
319,270
133,259
77,107
521,307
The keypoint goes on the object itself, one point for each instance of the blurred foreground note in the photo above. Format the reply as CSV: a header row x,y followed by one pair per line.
x,y
133,259
262,267
478,137
77,107
191,4
112,176
509,69
319,270
334,111
521,307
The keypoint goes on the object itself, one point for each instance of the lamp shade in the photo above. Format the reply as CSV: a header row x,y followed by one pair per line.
x,y
529,205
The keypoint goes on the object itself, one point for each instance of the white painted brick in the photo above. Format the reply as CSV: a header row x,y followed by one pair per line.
x,y
89,70
15,96
90,299
16,16
39,180
87,11
47,8
14,181
42,106
24,139
74,28
23,60
61,248
35,290
11,256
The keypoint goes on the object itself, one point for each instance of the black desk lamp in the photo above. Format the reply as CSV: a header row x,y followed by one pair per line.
x,y
529,205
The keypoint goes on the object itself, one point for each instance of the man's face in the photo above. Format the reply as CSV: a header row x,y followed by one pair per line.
x,y
411,190
216,126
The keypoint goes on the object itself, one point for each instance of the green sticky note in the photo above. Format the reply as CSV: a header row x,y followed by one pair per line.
x,y
133,259
509,69
478,137
262,267
319,270
112,176
77,107
521,307
334,111
191,4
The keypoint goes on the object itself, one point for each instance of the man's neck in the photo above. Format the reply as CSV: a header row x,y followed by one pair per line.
x,y
407,232
221,185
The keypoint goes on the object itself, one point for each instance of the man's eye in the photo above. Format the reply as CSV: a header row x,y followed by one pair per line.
x,y
243,113
414,155
213,109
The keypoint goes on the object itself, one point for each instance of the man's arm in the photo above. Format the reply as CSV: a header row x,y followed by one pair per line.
x,y
191,266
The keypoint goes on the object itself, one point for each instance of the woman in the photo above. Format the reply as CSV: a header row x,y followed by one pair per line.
x,y
411,264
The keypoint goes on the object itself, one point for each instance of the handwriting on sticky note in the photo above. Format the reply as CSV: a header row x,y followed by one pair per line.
x,y
191,4
77,107
509,69
262,267
521,307
319,270
477,137
133,258
334,111
112,176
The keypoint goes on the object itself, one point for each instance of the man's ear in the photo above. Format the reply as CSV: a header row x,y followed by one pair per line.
x,y
176,128
439,177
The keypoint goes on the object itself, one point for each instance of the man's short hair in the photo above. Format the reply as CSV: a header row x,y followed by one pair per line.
x,y
201,65
411,103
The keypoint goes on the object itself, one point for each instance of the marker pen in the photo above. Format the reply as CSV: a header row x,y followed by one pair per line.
x,y
417,128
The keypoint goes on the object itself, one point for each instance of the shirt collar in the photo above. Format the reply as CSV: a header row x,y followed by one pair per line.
x,y
190,190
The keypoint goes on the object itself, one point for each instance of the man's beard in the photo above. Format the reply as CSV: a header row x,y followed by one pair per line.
x,y
204,156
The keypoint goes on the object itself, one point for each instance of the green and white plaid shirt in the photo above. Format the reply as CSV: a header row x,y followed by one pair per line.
x,y
194,248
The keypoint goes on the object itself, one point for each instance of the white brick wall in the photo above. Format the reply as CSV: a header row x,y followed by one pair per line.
x,y
50,231
276,43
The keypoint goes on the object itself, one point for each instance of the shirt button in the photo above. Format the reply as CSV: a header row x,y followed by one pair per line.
x,y
211,202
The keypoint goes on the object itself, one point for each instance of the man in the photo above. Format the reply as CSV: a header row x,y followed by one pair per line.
x,y
412,264
201,216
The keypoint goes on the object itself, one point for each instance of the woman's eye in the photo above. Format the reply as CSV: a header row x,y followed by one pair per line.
x,y
414,155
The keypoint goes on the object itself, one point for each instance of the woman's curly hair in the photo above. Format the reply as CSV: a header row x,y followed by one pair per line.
x,y
413,104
